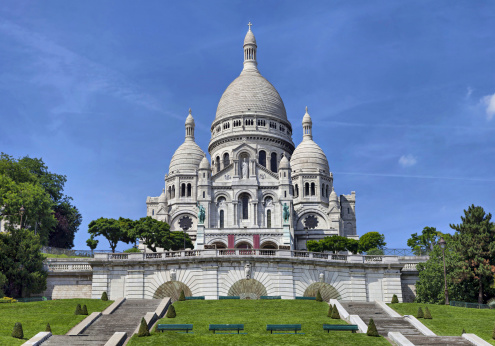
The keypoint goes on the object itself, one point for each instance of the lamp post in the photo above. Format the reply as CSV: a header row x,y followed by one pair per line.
x,y
442,243
21,211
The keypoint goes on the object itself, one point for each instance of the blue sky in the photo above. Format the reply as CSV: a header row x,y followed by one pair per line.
x,y
401,93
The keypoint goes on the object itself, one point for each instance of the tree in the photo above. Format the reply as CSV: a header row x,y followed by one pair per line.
x,y
111,229
156,234
22,263
423,243
371,240
475,238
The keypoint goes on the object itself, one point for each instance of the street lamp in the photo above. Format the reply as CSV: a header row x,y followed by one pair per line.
x,y
21,211
442,243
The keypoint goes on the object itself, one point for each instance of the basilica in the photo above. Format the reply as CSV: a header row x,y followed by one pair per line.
x,y
259,191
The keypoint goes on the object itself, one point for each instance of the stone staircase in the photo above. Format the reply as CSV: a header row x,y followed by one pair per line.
x,y
125,319
385,324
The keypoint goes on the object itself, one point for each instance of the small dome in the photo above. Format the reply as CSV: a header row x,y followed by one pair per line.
x,y
249,39
186,158
308,156
284,163
205,164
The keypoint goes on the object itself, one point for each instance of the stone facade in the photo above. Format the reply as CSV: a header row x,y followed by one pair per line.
x,y
255,171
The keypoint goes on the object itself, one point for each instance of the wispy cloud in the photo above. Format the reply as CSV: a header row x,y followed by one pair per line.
x,y
489,102
407,160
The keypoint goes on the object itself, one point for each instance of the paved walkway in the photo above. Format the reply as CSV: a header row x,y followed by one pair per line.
x,y
125,319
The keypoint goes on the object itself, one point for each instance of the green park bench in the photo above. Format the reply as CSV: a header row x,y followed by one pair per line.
x,y
283,327
216,327
196,298
351,327
305,298
271,297
229,297
163,327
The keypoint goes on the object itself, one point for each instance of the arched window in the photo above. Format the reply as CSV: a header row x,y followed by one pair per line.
x,y
273,162
226,160
306,189
188,190
222,219
217,163
313,189
245,206
262,158
183,190
268,219
173,191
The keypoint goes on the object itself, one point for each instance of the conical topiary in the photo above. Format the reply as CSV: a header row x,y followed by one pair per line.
x,y
335,313
330,310
395,300
182,296
78,310
171,312
143,328
17,332
48,328
427,314
104,296
420,313
84,310
318,296
372,329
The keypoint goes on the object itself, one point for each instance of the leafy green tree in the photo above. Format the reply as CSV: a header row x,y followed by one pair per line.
x,y
371,240
475,239
21,263
113,230
423,243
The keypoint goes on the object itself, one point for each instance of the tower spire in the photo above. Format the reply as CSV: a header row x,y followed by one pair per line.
x,y
250,50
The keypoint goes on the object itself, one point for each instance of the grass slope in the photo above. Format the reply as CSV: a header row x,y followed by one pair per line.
x,y
450,320
255,315
34,317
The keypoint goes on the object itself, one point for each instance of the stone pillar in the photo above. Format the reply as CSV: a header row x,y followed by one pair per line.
x,y
99,282
135,284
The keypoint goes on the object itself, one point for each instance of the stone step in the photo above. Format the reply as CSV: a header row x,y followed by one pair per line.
x,y
438,340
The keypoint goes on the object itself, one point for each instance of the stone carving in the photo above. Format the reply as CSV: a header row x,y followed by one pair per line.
x,y
173,274
322,277
201,213
286,213
244,169
247,270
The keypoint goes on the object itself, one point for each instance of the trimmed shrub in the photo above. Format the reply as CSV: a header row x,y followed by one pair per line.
x,y
420,313
84,310
171,312
427,314
143,328
330,310
335,313
182,296
318,296
17,332
395,300
48,328
104,296
372,329
78,310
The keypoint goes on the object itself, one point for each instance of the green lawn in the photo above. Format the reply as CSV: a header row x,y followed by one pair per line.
x,y
255,315
34,317
450,320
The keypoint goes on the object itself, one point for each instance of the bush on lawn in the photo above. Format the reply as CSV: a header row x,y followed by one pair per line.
x,y
330,310
372,329
182,296
171,312
84,310
78,310
395,300
427,314
143,328
335,313
318,296
104,296
48,328
17,332
420,313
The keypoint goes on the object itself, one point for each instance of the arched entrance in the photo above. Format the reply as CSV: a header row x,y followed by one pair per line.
x,y
327,291
172,289
248,289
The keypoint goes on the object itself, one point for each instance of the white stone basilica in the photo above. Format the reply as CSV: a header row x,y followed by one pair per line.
x,y
259,190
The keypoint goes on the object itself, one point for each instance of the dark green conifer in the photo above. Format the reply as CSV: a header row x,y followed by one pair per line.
x,y
420,313
17,332
143,328
171,312
372,329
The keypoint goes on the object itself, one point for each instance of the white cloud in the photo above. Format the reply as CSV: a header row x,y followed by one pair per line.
x,y
489,102
407,160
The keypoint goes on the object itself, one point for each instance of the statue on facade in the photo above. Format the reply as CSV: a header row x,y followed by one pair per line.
x,y
244,169
173,274
247,270
201,213
286,213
